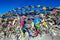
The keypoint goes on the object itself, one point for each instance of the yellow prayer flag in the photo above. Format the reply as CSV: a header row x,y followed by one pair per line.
x,y
44,23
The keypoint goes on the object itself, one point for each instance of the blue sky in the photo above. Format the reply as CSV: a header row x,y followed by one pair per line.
x,y
6,5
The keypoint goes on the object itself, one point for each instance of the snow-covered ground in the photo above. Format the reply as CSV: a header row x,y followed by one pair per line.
x,y
46,37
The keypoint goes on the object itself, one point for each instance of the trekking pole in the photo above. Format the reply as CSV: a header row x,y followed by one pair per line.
x,y
51,34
